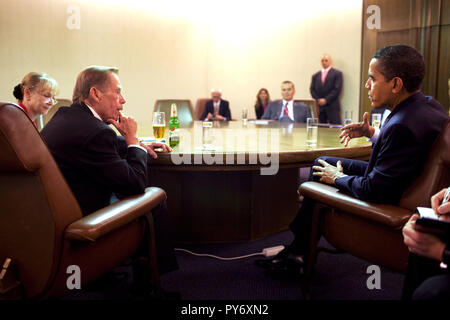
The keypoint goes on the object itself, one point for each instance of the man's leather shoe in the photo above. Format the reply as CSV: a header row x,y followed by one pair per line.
x,y
285,262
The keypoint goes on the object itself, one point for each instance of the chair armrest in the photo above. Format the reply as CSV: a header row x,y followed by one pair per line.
x,y
112,217
330,196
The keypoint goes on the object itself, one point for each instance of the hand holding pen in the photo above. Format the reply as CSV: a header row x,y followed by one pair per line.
x,y
440,202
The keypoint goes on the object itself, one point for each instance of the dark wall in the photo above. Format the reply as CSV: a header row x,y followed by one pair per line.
x,y
423,24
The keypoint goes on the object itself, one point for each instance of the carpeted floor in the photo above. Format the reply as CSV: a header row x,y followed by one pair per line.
x,y
337,277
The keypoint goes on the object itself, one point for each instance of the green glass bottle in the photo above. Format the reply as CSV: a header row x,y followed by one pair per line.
x,y
174,125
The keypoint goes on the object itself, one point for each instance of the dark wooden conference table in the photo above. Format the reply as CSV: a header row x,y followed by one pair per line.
x,y
244,187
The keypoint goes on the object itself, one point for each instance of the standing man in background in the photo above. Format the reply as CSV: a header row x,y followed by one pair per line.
x,y
326,86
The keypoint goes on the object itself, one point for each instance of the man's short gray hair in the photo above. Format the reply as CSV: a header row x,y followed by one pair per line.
x,y
93,76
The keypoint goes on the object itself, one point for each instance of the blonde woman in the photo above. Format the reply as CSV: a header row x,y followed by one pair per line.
x,y
36,94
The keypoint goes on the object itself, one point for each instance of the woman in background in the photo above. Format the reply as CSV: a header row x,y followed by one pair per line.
x,y
262,101
36,94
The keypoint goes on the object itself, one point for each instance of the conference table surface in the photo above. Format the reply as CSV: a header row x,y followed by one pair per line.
x,y
243,186
288,141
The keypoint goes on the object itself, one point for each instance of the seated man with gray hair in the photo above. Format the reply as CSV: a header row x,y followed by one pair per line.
x,y
89,154
216,108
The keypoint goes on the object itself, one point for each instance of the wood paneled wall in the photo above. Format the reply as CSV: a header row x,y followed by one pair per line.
x,y
423,24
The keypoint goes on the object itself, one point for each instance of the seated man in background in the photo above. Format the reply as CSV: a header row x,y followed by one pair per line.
x,y
287,110
216,108
426,277
398,155
86,150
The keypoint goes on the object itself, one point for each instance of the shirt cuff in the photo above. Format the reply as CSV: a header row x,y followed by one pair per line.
x,y
137,146
374,138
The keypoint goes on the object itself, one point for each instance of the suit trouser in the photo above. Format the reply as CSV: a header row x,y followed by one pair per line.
x,y
163,240
330,114
425,280
302,223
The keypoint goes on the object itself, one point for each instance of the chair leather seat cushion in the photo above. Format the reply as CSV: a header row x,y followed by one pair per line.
x,y
389,215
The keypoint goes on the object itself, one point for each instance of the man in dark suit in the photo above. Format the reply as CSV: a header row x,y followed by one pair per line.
x,y
287,110
216,108
87,150
395,77
326,86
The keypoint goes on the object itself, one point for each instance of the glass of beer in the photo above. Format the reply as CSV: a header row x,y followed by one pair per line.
x,y
159,125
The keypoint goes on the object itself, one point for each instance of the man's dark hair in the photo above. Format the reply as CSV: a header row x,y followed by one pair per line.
x,y
404,62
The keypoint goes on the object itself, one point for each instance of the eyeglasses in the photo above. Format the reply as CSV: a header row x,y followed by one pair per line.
x,y
49,98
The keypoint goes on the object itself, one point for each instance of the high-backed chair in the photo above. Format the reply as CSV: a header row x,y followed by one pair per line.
x,y
43,119
200,107
312,105
373,231
42,230
184,109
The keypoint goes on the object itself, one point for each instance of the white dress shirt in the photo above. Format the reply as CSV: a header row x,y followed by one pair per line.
x,y
98,117
374,138
290,108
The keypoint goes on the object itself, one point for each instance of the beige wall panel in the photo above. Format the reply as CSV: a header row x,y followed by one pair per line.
x,y
182,49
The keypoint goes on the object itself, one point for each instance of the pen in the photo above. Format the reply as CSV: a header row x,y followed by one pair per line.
x,y
446,196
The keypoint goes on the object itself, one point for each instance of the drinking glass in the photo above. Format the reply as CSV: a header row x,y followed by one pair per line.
x,y
376,120
311,132
244,116
348,117
159,125
207,134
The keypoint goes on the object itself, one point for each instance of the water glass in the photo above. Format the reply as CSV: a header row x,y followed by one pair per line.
x,y
311,132
244,116
348,117
376,120
207,134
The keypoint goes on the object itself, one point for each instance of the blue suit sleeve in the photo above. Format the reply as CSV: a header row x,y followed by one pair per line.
x,y
206,111
312,88
336,89
396,164
228,111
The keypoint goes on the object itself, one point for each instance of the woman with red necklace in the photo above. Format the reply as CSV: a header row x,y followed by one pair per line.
x,y
36,94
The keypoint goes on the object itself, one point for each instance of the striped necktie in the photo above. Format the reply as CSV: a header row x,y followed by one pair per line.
x,y
286,112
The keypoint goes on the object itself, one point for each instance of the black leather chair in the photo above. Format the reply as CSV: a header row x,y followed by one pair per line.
x,y
373,231
45,118
184,109
312,105
200,107
42,230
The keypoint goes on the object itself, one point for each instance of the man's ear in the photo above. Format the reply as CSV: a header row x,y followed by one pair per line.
x,y
397,85
95,94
